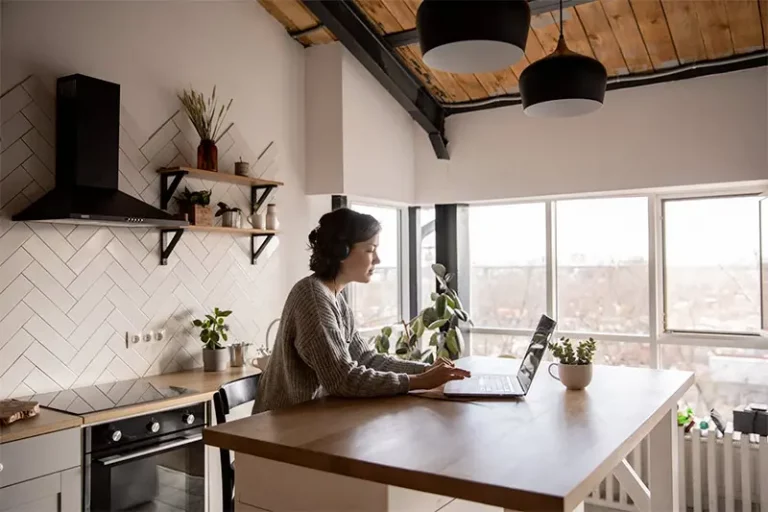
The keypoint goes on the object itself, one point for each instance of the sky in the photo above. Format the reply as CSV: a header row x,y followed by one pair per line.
x,y
698,232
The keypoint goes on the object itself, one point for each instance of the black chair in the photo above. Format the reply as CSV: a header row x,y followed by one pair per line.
x,y
229,396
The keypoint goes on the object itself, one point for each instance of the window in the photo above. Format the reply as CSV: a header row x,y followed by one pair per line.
x,y
507,246
725,377
499,344
602,265
712,264
377,303
619,353
428,257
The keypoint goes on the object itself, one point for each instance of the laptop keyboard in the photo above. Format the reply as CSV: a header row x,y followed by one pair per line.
x,y
491,384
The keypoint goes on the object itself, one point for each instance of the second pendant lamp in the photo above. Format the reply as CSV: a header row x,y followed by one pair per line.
x,y
563,84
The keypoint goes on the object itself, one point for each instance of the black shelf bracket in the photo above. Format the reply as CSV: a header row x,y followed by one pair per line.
x,y
258,200
166,190
166,250
255,253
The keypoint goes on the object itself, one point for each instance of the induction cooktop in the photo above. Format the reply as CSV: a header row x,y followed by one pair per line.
x,y
103,397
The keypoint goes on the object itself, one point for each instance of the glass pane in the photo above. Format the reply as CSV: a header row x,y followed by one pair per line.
x,y
602,265
725,377
428,257
620,353
508,259
712,264
378,302
499,345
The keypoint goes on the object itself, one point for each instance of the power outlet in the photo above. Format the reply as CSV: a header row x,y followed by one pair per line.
x,y
132,338
148,336
160,335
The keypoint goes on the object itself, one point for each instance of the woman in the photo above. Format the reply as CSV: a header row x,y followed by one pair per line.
x,y
318,351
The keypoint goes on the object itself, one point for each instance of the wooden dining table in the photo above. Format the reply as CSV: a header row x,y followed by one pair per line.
x,y
424,452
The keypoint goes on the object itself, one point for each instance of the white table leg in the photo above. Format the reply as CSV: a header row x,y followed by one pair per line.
x,y
664,469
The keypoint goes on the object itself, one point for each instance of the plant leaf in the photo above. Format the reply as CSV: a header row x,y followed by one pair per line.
x,y
437,324
197,323
225,313
428,316
224,335
433,339
418,327
440,305
443,353
452,343
387,331
438,269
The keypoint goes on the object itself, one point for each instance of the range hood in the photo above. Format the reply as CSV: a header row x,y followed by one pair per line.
x,y
87,154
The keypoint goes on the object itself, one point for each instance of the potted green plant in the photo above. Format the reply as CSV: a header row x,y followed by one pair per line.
x,y
230,216
212,331
574,368
441,321
196,206
202,114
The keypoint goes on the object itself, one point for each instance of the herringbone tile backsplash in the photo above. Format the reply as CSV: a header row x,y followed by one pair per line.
x,y
69,294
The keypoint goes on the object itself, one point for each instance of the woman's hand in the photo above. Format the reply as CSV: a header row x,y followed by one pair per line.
x,y
436,375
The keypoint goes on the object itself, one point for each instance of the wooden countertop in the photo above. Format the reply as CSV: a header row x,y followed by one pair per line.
x,y
544,452
44,423
205,384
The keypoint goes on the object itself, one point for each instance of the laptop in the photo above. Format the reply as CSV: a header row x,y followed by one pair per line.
x,y
490,385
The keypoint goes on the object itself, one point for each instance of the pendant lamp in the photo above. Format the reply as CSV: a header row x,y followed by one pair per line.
x,y
472,36
562,84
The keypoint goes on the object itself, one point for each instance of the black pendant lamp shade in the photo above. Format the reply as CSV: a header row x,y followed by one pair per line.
x,y
563,84
472,36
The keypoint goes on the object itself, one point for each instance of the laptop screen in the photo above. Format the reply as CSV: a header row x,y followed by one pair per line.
x,y
535,353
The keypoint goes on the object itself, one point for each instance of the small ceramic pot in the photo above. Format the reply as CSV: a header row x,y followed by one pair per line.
x,y
272,221
573,376
230,219
242,168
215,360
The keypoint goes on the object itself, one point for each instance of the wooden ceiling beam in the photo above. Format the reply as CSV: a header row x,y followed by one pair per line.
x,y
411,36
349,25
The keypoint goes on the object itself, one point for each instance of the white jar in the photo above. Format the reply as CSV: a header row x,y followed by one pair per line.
x,y
272,221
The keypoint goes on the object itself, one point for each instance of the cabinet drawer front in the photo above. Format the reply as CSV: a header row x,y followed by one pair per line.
x,y
39,456
29,494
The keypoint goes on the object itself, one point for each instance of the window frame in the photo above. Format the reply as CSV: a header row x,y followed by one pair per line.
x,y
657,335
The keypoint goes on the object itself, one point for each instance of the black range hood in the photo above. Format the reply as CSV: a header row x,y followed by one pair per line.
x,y
87,154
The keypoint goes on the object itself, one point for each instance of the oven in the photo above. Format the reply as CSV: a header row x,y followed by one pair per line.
x,y
148,463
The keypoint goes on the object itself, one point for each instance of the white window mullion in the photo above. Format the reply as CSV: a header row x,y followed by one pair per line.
x,y
551,259
655,277
403,266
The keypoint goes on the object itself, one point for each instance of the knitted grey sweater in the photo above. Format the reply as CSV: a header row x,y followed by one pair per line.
x,y
318,352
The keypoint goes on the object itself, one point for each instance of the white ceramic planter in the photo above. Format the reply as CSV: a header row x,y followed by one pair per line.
x,y
573,376
216,360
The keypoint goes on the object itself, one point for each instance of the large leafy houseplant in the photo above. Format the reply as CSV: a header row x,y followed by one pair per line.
x,y
440,321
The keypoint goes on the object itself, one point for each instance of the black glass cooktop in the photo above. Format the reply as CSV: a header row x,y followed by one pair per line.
x,y
102,397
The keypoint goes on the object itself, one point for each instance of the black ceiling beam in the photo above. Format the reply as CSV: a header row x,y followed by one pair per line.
x,y
406,37
349,25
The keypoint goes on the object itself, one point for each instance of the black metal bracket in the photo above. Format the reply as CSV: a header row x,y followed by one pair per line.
x,y
255,253
344,19
166,190
166,250
256,200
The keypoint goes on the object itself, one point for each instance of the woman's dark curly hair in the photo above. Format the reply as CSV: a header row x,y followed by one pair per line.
x,y
332,240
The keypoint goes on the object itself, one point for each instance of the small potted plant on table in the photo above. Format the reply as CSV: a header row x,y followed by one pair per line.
x,y
575,367
213,330
230,215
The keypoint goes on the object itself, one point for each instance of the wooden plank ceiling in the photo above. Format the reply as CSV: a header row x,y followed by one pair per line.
x,y
627,36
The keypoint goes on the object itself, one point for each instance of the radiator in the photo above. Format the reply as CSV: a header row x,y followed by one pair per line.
x,y
727,473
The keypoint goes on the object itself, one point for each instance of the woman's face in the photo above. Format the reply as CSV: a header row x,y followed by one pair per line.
x,y
362,260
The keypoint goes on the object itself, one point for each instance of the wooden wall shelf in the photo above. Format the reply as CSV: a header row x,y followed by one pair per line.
x,y
260,189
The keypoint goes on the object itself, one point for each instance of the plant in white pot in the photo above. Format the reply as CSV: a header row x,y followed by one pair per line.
x,y
574,368
213,330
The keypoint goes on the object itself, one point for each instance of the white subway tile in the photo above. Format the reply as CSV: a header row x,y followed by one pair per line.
x,y
48,363
127,355
15,375
53,239
81,234
39,382
131,149
90,249
127,260
49,260
13,349
120,370
127,308
131,173
50,339
95,368
91,323
12,294
127,285
41,148
49,312
12,102
90,274
40,121
13,184
159,139
13,130
92,347
49,286
14,321
93,296
13,157
13,267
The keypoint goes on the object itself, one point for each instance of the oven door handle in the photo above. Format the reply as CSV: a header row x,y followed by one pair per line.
x,y
117,459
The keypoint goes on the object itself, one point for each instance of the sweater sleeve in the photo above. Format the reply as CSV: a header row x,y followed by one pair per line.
x,y
366,356
320,342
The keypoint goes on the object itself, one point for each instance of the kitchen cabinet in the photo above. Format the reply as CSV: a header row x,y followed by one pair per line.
x,y
42,473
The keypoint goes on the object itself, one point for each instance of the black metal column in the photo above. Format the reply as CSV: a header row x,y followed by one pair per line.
x,y
339,202
414,260
452,246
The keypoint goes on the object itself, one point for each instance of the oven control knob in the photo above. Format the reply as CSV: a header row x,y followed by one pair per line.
x,y
188,418
153,427
116,435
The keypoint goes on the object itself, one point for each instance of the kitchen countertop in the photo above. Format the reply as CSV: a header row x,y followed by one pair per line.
x,y
44,423
204,385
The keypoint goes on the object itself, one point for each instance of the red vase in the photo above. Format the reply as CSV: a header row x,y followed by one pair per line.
x,y
207,156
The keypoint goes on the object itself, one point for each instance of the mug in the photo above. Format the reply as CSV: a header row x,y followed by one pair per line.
x,y
573,376
257,220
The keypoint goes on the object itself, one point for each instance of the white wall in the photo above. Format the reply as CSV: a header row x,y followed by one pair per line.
x,y
378,138
324,126
359,139
700,131
67,295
